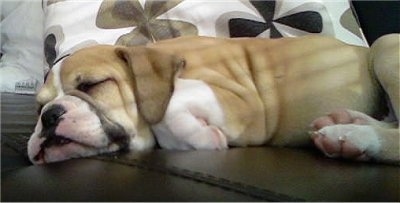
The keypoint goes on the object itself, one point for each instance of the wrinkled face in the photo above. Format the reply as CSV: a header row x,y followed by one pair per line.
x,y
87,107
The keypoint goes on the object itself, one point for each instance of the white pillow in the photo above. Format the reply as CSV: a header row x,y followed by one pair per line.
x,y
71,24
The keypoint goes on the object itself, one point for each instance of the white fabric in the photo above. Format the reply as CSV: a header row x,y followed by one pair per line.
x,y
74,22
21,66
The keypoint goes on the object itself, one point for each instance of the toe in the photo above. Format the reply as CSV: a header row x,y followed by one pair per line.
x,y
350,151
321,122
341,116
326,145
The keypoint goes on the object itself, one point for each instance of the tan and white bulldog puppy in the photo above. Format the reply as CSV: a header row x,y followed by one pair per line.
x,y
212,93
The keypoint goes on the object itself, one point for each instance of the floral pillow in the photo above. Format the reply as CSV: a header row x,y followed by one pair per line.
x,y
71,24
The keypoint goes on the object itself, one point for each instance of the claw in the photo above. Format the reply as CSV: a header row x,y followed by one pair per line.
x,y
314,134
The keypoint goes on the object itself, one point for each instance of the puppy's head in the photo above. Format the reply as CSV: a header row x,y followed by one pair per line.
x,y
102,99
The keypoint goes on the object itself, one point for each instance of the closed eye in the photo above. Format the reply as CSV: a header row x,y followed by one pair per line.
x,y
87,86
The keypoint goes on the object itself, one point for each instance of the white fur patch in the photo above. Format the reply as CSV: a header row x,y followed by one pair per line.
x,y
57,79
192,118
364,137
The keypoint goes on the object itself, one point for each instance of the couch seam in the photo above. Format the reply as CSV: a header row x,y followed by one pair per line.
x,y
222,183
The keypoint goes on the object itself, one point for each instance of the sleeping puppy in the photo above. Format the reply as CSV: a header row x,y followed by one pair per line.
x,y
213,93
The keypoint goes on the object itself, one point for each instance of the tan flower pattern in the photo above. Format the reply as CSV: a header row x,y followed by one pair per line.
x,y
49,2
147,27
347,20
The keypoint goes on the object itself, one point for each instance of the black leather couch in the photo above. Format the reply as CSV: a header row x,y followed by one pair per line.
x,y
239,174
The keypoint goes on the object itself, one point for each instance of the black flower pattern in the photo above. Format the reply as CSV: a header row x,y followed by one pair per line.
x,y
52,41
147,27
304,21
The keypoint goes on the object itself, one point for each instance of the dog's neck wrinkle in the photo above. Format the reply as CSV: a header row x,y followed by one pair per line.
x,y
266,86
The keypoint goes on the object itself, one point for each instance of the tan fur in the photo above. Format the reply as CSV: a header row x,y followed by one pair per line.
x,y
270,90
262,83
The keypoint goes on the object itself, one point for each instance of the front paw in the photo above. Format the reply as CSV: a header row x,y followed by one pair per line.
x,y
189,132
210,137
350,141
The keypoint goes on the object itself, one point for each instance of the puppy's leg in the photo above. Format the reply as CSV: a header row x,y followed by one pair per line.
x,y
183,130
386,61
351,134
191,119
354,135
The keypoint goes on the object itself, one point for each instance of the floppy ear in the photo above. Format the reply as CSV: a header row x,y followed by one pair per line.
x,y
153,75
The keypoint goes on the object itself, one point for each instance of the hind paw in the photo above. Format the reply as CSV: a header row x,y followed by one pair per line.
x,y
345,134
347,141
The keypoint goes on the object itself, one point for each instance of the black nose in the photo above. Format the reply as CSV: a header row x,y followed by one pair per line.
x,y
52,115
